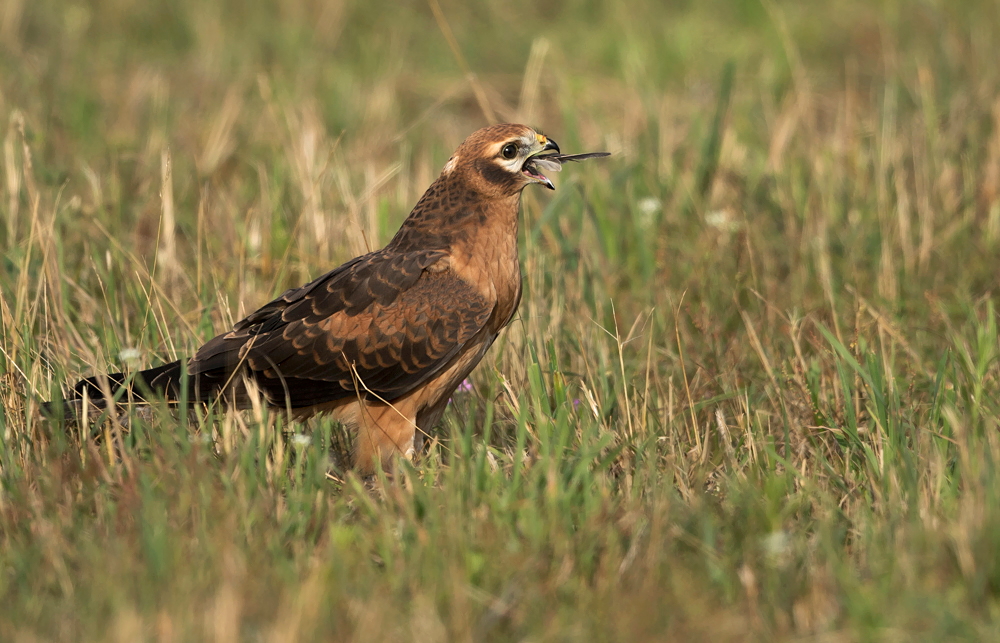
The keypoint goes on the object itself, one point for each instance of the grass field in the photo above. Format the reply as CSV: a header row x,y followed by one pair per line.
x,y
753,391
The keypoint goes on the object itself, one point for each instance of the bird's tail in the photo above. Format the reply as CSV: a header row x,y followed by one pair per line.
x,y
160,383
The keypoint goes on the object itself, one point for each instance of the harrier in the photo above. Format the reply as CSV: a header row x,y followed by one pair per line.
x,y
381,342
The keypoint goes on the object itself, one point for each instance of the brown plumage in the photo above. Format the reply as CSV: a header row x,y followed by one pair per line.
x,y
383,341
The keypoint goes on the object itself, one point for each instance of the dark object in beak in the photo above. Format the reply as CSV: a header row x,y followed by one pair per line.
x,y
562,158
553,162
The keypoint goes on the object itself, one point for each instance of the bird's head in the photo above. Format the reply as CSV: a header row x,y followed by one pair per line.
x,y
498,160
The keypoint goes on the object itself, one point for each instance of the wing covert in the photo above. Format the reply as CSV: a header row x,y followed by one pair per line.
x,y
381,323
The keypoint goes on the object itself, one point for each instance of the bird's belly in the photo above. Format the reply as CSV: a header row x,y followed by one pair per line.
x,y
438,391
382,428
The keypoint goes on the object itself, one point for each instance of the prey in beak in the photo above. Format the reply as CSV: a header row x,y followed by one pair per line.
x,y
536,163
532,168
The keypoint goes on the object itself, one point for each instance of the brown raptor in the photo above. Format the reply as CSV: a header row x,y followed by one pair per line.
x,y
383,341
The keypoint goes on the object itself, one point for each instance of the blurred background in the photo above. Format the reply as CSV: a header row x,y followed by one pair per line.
x,y
757,351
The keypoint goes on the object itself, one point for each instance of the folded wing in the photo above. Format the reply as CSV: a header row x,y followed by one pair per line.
x,y
381,324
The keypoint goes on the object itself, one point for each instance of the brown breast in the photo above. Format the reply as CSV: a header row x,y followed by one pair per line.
x,y
486,256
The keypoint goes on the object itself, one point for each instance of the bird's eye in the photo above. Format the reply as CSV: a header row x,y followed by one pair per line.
x,y
509,151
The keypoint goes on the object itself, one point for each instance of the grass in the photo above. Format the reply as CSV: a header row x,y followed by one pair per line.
x,y
753,391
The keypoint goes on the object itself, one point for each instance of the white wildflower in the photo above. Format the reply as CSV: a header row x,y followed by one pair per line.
x,y
129,354
721,220
648,208
649,205
776,544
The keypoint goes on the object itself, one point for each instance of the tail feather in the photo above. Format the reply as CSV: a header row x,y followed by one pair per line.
x,y
162,382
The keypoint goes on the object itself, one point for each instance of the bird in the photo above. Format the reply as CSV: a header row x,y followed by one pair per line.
x,y
381,342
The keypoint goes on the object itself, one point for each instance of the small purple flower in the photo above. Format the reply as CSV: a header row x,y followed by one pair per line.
x,y
464,387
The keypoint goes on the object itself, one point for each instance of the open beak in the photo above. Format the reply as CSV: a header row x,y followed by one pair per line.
x,y
531,170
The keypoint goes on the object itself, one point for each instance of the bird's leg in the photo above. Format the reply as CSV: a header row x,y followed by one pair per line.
x,y
418,443
384,431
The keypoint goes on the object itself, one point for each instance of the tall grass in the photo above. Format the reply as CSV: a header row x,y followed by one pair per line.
x,y
753,390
